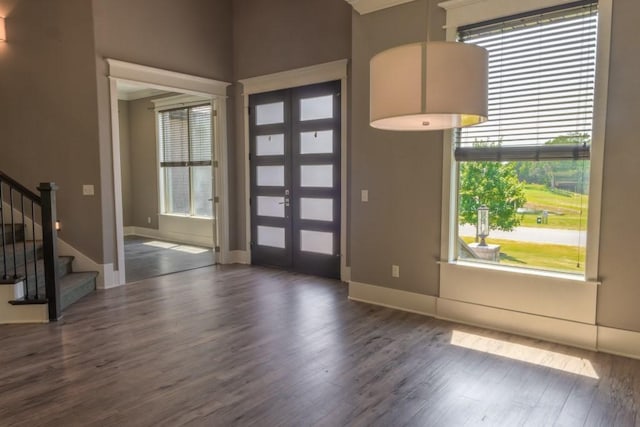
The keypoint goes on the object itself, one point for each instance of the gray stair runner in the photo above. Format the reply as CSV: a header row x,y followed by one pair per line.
x,y
73,285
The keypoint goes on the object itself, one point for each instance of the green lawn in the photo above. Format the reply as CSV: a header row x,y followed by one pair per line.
x,y
539,255
564,208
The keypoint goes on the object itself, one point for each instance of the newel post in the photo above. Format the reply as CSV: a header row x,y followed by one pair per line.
x,y
49,246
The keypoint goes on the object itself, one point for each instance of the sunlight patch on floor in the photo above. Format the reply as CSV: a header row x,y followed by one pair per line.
x,y
176,247
524,353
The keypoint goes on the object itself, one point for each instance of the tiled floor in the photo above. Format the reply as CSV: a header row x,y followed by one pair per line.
x,y
146,258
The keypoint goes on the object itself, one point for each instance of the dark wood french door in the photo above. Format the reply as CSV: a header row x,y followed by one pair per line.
x,y
295,179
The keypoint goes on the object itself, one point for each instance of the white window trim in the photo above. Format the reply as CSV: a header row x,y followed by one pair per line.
x,y
469,283
170,103
330,71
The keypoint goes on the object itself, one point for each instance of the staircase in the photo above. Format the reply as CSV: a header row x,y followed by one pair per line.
x,y
36,285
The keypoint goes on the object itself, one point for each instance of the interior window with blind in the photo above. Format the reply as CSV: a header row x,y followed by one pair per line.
x,y
185,161
525,172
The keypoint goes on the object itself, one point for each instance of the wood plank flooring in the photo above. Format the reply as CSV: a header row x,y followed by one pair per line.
x,y
145,258
240,345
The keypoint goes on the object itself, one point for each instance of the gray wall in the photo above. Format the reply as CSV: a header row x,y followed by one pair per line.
x,y
400,224
270,36
144,163
278,35
125,162
619,268
140,164
48,107
188,36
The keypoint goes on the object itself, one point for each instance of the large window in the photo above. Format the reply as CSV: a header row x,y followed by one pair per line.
x,y
186,161
529,164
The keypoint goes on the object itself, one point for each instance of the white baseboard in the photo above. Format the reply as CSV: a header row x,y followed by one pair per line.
x,y
393,298
345,273
576,334
239,257
187,239
619,341
128,231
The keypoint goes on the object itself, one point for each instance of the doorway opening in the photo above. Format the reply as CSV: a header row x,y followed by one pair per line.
x,y
181,228
166,142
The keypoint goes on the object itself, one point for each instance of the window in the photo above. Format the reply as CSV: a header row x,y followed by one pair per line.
x,y
529,164
185,161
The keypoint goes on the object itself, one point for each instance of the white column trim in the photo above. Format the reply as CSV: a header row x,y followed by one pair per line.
x,y
119,275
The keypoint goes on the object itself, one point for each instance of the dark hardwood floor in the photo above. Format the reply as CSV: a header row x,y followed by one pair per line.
x,y
146,257
239,345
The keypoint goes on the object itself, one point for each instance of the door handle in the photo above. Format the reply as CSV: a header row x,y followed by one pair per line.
x,y
286,202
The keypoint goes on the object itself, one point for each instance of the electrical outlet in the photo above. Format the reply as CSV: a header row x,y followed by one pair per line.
x,y
364,195
395,271
148,220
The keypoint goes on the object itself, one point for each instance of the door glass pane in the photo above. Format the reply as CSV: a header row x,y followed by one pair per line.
x,y
202,191
316,241
176,190
271,206
271,236
267,114
316,176
316,142
320,107
270,176
270,145
318,209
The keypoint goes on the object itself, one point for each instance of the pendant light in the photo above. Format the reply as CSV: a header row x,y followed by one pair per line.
x,y
428,86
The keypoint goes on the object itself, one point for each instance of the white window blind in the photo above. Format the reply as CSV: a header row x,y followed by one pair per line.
x,y
541,86
186,160
186,136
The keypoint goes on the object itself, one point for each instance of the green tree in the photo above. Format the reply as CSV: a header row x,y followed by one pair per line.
x,y
570,174
495,185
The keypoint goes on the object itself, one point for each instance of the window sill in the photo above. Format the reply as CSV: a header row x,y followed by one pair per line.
x,y
210,218
578,278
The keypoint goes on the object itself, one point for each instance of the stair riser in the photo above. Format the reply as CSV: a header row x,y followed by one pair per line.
x,y
64,268
69,297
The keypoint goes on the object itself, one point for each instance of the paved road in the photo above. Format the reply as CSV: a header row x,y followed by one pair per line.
x,y
533,234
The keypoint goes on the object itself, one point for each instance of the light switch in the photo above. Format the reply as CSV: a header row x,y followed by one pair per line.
x,y
88,190
364,195
395,271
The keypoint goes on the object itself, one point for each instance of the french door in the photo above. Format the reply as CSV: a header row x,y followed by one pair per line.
x,y
295,179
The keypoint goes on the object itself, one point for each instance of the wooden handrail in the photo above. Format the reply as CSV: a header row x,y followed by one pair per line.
x,y
21,188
